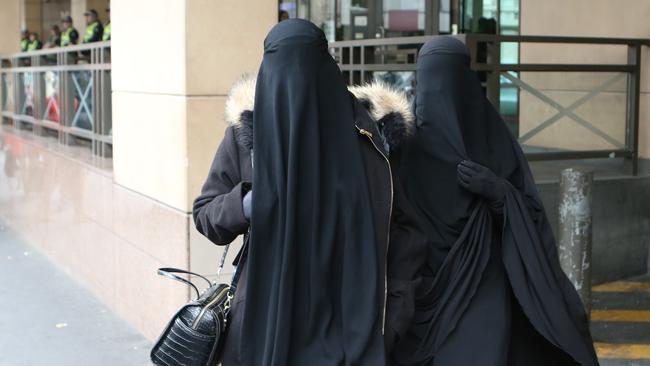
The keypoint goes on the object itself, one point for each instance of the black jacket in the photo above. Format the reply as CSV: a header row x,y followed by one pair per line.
x,y
383,121
218,212
391,125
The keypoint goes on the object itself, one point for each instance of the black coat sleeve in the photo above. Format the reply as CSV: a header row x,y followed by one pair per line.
x,y
218,211
406,256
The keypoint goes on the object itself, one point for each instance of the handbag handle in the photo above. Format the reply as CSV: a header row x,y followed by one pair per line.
x,y
169,273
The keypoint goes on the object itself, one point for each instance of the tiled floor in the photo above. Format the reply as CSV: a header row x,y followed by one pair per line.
x,y
621,322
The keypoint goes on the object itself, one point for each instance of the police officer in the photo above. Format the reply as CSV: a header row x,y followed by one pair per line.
x,y
69,36
107,26
94,29
24,40
34,42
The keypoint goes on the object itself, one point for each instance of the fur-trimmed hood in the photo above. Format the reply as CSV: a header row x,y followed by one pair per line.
x,y
388,107
239,109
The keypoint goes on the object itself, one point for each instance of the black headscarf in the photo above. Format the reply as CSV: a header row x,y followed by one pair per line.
x,y
314,284
456,122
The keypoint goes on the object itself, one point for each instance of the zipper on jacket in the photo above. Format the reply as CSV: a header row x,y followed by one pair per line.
x,y
390,215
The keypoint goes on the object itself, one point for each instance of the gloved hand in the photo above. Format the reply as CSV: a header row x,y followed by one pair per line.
x,y
247,204
481,181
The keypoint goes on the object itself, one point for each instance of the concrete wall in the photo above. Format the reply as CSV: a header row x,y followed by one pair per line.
x,y
588,18
110,239
621,224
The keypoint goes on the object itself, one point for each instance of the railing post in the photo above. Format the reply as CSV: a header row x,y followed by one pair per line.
x,y
575,230
633,93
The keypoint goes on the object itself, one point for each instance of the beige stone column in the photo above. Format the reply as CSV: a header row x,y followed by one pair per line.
x,y
10,26
173,63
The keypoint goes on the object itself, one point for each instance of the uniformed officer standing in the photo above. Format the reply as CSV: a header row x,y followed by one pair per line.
x,y
24,40
69,36
34,42
94,29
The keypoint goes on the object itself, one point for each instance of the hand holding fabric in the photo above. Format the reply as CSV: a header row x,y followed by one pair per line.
x,y
481,181
247,203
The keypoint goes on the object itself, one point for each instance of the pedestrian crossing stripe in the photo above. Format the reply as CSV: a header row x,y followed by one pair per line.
x,y
622,286
623,351
636,316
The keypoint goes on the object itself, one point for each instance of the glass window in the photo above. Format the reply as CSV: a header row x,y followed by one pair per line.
x,y
353,22
479,16
444,16
359,19
403,18
322,13
295,8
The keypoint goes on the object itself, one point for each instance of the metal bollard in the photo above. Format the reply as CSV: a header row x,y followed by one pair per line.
x,y
575,230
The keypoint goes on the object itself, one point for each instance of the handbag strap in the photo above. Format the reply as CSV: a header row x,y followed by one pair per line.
x,y
170,273
243,253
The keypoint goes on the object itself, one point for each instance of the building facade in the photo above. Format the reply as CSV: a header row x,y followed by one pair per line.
x,y
112,204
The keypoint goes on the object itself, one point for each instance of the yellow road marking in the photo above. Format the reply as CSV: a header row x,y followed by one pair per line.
x,y
622,286
624,351
637,316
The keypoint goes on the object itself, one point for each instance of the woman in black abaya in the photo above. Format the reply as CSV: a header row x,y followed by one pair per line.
x,y
492,292
315,267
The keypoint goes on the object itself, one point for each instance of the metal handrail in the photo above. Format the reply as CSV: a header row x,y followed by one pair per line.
x,y
55,50
359,58
81,93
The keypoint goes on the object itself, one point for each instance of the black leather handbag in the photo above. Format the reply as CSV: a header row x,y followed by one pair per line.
x,y
195,334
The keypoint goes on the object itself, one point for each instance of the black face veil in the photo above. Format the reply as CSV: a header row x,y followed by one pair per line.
x,y
314,286
456,122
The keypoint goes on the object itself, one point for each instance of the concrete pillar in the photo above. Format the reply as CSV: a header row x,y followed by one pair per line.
x,y
10,26
575,230
173,62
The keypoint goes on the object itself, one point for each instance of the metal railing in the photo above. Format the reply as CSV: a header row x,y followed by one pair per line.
x,y
62,91
362,60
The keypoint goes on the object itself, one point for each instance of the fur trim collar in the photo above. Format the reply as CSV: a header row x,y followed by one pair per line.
x,y
241,98
239,109
389,108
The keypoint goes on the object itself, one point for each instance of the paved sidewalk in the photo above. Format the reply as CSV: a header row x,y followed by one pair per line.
x,y
48,319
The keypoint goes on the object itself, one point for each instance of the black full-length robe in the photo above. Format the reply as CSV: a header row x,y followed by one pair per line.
x,y
315,287
493,292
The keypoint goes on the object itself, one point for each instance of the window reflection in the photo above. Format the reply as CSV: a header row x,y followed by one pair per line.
x,y
403,18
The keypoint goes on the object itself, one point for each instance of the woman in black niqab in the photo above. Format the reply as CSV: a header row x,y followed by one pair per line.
x,y
315,290
493,292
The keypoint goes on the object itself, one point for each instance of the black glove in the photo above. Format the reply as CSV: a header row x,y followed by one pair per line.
x,y
482,181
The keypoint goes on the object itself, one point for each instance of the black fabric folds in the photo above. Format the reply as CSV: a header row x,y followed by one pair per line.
x,y
486,270
314,294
